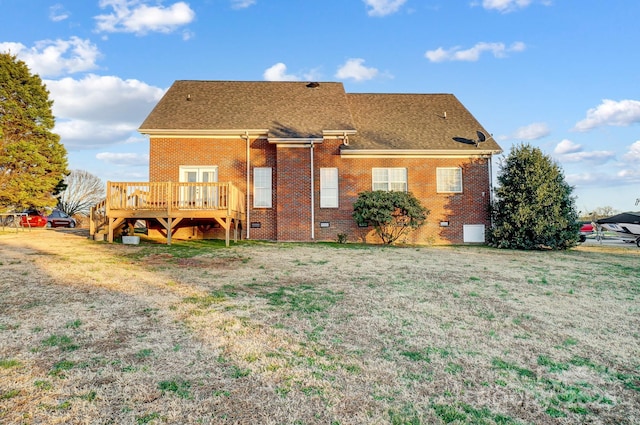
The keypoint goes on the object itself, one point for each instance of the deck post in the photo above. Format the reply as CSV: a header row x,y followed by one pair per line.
x,y
92,223
110,235
235,230
169,228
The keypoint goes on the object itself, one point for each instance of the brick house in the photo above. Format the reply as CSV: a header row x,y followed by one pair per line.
x,y
301,153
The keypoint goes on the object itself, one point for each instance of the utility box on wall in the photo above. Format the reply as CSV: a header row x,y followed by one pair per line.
x,y
473,233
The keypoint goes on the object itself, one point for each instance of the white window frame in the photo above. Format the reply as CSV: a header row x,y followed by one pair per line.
x,y
449,180
329,190
262,187
389,179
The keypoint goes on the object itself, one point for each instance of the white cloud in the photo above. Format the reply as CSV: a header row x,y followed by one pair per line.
x,y
629,175
56,57
597,157
187,35
135,16
566,146
355,70
533,131
569,151
99,110
633,155
122,159
57,13
505,6
383,7
278,72
584,179
498,50
610,112
242,4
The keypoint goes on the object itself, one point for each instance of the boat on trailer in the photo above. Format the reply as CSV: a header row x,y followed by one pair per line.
x,y
626,225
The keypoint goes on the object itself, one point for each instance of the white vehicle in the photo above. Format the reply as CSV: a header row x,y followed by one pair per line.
x,y
626,225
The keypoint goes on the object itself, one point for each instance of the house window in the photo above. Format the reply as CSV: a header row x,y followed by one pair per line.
x,y
328,188
449,179
262,187
390,179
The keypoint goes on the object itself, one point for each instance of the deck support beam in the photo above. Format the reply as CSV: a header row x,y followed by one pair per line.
x,y
169,224
113,225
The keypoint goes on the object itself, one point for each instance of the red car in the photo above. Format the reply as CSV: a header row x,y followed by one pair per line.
x,y
585,230
33,218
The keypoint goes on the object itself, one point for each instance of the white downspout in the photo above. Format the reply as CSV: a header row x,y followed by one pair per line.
x,y
490,163
313,218
248,207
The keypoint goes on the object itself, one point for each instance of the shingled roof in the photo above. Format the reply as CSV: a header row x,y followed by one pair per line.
x,y
285,109
414,121
302,110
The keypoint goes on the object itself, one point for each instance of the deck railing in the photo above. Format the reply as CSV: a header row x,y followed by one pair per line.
x,y
171,197
98,218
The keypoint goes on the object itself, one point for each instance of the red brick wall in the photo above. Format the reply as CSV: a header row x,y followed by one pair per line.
x,y
168,154
294,190
264,155
290,217
354,174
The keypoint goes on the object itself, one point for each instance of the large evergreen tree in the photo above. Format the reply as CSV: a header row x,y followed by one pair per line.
x,y
32,160
534,208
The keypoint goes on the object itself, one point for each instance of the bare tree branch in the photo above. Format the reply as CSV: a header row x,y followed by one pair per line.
x,y
83,191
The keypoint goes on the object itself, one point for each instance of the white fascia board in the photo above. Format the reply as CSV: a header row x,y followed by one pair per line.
x,y
294,140
178,133
338,132
415,153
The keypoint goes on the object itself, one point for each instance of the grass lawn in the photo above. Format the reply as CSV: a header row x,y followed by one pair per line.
x,y
260,333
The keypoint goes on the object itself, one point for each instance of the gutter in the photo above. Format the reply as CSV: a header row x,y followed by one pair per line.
x,y
313,204
382,153
248,207
181,132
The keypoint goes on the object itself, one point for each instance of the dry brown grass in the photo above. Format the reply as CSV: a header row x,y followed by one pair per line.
x,y
92,333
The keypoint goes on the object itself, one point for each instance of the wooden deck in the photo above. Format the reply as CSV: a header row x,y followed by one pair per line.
x,y
168,203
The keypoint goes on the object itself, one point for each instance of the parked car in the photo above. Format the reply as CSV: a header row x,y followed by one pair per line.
x,y
33,218
59,218
585,230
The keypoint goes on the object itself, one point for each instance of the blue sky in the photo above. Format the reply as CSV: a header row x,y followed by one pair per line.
x,y
560,75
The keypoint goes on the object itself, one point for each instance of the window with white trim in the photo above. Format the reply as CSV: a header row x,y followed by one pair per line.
x,y
449,179
262,187
389,179
328,188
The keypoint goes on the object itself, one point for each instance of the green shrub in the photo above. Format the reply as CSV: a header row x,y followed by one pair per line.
x,y
392,214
